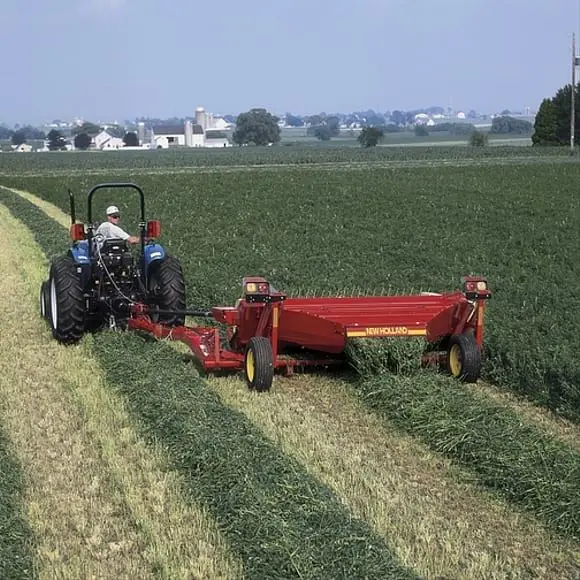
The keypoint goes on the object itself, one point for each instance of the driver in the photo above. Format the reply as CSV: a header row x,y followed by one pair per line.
x,y
111,230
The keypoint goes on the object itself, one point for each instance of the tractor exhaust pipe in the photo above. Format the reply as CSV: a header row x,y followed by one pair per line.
x,y
73,217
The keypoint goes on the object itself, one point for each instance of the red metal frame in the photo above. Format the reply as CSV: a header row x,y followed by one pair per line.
x,y
322,325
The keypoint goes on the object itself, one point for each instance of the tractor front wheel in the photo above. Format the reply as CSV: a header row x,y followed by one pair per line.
x,y
67,303
259,364
167,291
464,357
45,300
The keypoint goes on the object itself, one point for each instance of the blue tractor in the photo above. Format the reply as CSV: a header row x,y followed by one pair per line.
x,y
95,284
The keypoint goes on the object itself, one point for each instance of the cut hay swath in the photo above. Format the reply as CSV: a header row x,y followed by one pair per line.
x,y
400,356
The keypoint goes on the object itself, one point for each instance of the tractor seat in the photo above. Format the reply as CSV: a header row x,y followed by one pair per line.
x,y
114,246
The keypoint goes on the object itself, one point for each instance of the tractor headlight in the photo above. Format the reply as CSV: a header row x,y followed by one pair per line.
x,y
481,286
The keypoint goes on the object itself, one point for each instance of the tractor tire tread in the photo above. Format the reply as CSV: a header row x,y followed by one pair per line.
x,y
70,301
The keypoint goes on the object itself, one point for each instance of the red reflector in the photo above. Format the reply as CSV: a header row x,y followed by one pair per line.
x,y
153,228
77,232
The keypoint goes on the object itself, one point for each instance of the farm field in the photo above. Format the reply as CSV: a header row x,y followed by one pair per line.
x,y
410,476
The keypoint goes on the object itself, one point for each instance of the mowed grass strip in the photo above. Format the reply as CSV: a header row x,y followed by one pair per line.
x,y
280,520
102,502
16,538
436,517
509,456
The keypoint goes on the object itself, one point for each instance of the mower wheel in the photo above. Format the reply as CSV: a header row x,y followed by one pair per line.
x,y
464,357
45,300
67,302
259,364
167,291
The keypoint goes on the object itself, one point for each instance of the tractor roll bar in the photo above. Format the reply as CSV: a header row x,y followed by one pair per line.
x,y
116,185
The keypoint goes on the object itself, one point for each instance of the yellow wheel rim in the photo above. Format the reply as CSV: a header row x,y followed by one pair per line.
x,y
455,362
250,366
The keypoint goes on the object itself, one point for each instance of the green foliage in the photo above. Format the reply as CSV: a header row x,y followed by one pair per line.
x,y
552,123
56,141
18,138
478,139
453,128
546,124
257,126
506,124
82,141
421,131
91,129
131,139
370,136
322,132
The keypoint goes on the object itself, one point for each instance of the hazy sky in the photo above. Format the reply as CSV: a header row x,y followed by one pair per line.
x,y
119,59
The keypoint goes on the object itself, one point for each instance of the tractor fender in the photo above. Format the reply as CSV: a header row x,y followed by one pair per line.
x,y
80,253
153,253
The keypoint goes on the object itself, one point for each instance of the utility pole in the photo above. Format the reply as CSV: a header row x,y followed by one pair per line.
x,y
572,93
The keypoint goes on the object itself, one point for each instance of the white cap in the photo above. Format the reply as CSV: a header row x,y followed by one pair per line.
x,y
112,209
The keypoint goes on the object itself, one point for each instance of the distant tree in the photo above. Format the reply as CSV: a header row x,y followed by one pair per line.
x,y
322,132
5,133
91,129
478,139
421,131
256,126
507,124
472,114
82,141
398,117
552,123
506,112
56,141
18,138
293,120
546,124
370,136
131,139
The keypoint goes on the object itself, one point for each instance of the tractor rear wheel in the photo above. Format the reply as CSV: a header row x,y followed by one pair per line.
x,y
67,303
167,291
464,357
45,300
259,364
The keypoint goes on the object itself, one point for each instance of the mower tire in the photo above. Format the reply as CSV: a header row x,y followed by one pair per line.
x,y
464,357
167,291
67,302
259,364
45,300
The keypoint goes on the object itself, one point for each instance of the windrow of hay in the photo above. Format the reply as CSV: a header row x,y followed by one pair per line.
x,y
100,501
16,537
516,459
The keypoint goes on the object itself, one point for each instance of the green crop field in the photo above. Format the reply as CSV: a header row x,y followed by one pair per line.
x,y
344,221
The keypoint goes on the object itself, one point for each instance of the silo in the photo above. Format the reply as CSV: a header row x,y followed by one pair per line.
x,y
141,132
188,133
200,117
